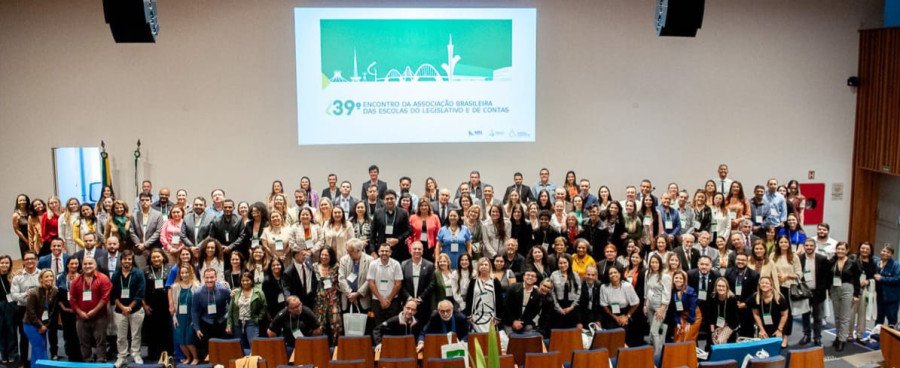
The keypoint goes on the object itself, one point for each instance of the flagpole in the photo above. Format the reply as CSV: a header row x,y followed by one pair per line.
x,y
137,156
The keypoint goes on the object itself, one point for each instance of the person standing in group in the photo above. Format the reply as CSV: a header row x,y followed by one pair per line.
x,y
40,308
24,281
786,266
770,309
209,310
815,275
328,298
391,226
8,308
246,312
867,269
180,301
844,292
683,310
385,280
128,296
156,305
89,297
657,293
887,287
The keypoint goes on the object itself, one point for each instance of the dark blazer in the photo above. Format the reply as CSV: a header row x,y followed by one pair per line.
x,y
326,193
603,265
513,311
187,228
426,284
44,262
245,241
229,232
436,325
822,276
694,255
103,263
524,193
293,285
849,274
498,299
694,282
80,255
401,232
393,327
595,313
436,209
351,204
382,187
715,307
541,236
749,281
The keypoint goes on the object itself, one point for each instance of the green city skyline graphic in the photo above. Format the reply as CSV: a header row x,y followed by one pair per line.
x,y
402,50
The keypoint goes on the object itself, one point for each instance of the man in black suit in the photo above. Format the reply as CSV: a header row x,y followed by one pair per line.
x,y
443,206
544,235
108,262
346,201
332,190
687,254
524,190
418,281
703,280
589,302
391,226
91,249
743,281
301,278
373,182
815,274
518,315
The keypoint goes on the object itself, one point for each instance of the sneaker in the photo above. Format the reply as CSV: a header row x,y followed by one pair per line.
x,y
864,340
138,360
120,362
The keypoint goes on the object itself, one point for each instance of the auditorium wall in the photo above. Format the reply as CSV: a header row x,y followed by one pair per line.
x,y
761,88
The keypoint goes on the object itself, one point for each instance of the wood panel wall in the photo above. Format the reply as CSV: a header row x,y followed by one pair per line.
x,y
876,149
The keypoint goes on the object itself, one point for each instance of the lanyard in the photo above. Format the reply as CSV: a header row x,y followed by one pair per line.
x,y
122,281
393,217
210,299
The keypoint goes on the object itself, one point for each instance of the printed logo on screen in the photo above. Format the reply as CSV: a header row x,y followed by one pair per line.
x,y
412,51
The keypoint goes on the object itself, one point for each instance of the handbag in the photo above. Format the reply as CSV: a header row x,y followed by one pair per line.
x,y
800,291
721,335
355,323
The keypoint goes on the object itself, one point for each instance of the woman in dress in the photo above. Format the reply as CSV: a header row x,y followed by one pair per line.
x,y
571,185
657,293
462,274
737,204
156,305
634,225
650,219
246,310
786,265
453,239
566,292
180,300
483,301
328,301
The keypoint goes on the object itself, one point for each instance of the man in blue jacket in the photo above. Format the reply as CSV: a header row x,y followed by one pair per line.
x,y
887,287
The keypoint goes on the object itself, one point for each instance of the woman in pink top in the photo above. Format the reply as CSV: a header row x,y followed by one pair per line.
x,y
170,237
424,219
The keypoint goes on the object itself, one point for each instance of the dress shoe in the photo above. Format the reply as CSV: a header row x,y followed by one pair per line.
x,y
804,340
817,341
840,346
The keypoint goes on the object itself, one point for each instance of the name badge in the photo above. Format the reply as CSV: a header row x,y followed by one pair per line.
x,y
45,316
182,309
738,288
630,279
807,274
384,287
126,293
352,277
211,309
701,295
545,246
309,243
423,237
158,283
389,230
615,308
87,296
454,247
732,214
176,239
668,224
773,211
837,281
279,245
297,333
326,283
767,319
648,221
281,297
758,219
254,243
720,322
679,306
226,237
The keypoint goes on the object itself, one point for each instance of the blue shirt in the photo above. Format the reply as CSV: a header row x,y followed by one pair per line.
x,y
538,187
777,209
446,238
202,299
673,216
760,210
590,200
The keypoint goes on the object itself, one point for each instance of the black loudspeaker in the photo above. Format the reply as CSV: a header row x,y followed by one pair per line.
x,y
132,20
679,18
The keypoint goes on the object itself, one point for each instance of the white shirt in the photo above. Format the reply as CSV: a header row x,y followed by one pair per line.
x,y
826,248
811,267
385,275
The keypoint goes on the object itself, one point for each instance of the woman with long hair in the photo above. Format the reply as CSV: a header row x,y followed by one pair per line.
x,y
657,293
37,211
726,256
119,224
276,238
797,200
156,305
8,308
454,239
307,232
793,230
246,311
537,262
86,223
234,269
709,191
472,221
578,210
543,201
719,224
501,273
604,197
257,221
277,188
311,196
760,261
424,227
431,190
520,229
49,224
328,299
66,313
212,257
67,224
673,264
702,212
620,302
483,301
324,212
686,315
650,218
495,232
634,225
243,209
170,236
185,256
722,310
868,269
571,185
279,205
844,292
737,204
462,276
566,290
661,247
635,276
274,288
533,215
360,223
788,272
180,301
337,231
514,200
257,265
40,307
443,280
770,310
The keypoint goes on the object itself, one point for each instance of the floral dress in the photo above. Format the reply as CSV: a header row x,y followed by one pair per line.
x,y
328,304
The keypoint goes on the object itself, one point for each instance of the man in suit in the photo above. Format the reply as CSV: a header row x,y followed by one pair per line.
x,y
56,260
346,201
90,249
108,262
815,274
443,206
703,280
489,200
686,253
227,228
588,199
148,225
743,281
418,281
195,226
301,278
373,182
589,302
445,321
332,190
518,186
519,315
745,231
391,226
703,249
352,270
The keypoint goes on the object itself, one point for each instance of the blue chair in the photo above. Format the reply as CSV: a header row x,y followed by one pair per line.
x,y
46,363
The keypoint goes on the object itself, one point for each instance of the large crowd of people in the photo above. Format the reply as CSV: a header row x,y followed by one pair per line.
x,y
710,265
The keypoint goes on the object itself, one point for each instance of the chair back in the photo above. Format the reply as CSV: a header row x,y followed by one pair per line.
x,y
679,353
261,363
271,349
482,338
222,351
565,341
543,360
312,350
521,345
611,340
356,347
776,361
349,363
445,363
398,347
890,344
813,357
507,361
432,349
397,362
730,363
597,358
641,356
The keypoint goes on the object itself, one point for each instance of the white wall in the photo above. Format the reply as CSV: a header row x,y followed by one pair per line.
x,y
761,88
